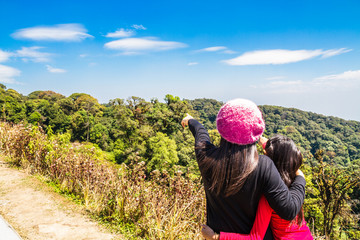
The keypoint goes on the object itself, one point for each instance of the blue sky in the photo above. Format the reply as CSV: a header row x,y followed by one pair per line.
x,y
302,54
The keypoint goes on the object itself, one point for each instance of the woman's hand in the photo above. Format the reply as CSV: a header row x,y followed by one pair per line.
x,y
299,173
208,233
263,141
185,121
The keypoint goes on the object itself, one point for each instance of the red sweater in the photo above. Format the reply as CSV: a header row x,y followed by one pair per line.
x,y
282,229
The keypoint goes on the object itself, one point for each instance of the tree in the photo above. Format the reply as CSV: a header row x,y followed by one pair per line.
x,y
34,118
207,110
13,108
161,153
99,134
89,104
334,184
48,95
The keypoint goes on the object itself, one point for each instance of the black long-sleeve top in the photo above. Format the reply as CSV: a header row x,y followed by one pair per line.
x,y
237,213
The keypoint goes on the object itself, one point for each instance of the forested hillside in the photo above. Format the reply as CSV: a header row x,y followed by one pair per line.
x,y
127,126
340,139
147,135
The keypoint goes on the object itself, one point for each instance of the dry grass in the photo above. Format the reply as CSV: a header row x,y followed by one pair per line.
x,y
159,206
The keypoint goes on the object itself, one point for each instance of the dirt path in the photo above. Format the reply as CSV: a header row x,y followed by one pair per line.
x,y
37,213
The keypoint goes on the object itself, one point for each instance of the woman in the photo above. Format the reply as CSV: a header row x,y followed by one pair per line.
x,y
235,176
287,158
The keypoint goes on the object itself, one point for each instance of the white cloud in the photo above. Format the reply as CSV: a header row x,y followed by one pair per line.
x,y
229,52
32,54
4,56
286,83
125,33
280,56
7,74
192,63
121,33
55,70
60,32
334,52
355,75
136,45
213,49
219,49
139,27
345,79
83,55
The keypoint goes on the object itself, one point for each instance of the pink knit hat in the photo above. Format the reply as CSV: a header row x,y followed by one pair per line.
x,y
240,121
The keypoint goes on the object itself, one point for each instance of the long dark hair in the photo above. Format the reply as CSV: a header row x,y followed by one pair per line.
x,y
228,166
288,159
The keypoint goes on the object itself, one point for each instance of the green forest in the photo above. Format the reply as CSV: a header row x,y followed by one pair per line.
x,y
132,165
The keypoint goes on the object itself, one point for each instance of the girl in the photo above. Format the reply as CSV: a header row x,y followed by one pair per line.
x,y
287,158
235,176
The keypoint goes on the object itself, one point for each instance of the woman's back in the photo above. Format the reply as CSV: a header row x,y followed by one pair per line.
x,y
236,213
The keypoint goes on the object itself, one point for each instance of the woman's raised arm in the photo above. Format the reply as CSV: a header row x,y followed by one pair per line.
x,y
285,201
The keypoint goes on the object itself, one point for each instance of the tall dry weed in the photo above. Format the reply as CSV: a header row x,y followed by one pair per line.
x,y
161,207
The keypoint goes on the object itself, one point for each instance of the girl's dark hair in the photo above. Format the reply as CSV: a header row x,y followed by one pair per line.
x,y
288,159
228,166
